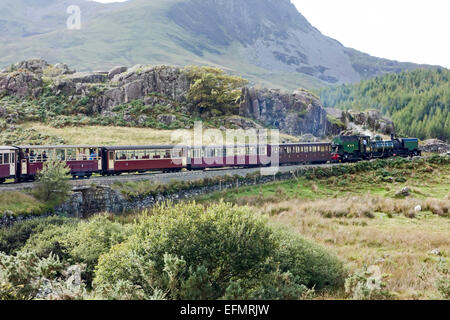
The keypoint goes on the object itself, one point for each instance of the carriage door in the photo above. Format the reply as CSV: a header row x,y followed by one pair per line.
x,y
12,163
111,160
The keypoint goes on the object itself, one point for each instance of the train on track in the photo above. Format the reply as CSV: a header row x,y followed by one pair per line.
x,y
22,163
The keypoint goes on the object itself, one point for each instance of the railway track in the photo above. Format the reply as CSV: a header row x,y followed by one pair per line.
x,y
160,178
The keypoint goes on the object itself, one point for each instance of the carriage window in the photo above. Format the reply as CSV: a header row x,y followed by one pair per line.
x,y
61,154
1,158
240,151
263,151
71,154
13,158
6,158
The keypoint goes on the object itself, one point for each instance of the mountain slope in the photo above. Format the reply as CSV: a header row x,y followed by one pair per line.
x,y
418,101
267,41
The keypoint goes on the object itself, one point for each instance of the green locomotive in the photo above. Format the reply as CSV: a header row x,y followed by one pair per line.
x,y
356,148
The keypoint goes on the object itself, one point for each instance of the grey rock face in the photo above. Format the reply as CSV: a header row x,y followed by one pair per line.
x,y
21,84
87,77
295,113
272,33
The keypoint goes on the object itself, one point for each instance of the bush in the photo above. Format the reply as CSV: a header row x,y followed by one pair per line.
x,y
310,264
52,185
187,251
367,284
14,238
443,282
81,242
23,274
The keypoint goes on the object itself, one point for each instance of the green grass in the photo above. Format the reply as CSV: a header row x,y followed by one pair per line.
x,y
423,184
19,203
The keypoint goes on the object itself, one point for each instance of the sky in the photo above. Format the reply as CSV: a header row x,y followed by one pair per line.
x,y
404,30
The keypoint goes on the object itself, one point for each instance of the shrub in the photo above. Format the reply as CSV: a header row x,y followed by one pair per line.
x,y
14,238
228,241
367,284
443,282
187,251
309,264
81,242
23,274
52,182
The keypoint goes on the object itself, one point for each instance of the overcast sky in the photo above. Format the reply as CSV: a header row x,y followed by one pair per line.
x,y
405,30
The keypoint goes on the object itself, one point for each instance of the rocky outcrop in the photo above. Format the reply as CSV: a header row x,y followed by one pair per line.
x,y
294,113
20,84
370,122
136,83
435,146
33,65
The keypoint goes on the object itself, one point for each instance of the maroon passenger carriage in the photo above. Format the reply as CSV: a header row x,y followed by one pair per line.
x,y
303,153
83,161
122,159
8,156
228,156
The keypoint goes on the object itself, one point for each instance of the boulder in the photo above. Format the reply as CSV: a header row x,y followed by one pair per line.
x,y
166,119
115,71
241,123
405,192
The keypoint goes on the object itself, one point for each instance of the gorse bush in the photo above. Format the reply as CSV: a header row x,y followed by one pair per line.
x,y
367,284
14,238
23,274
79,242
187,251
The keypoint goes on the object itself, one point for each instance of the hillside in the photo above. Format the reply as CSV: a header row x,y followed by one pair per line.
x,y
418,102
267,41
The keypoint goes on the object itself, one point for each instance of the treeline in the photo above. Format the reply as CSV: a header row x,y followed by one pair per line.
x,y
418,101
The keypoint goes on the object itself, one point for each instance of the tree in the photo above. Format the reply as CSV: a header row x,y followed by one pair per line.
x,y
53,185
213,90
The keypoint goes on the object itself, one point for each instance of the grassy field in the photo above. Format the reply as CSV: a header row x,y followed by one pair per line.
x,y
362,219
100,135
18,203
